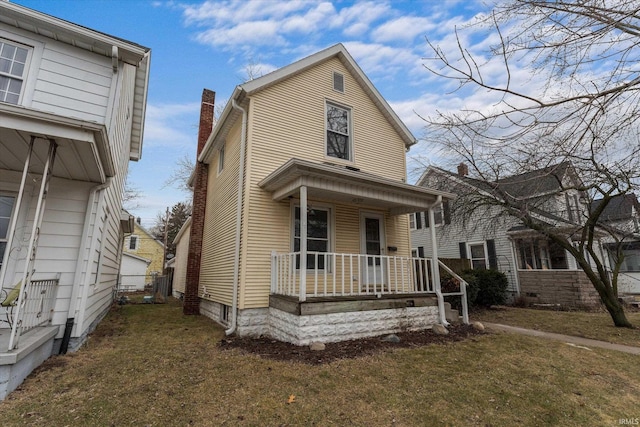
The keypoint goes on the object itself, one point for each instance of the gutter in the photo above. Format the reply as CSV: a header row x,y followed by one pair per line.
x,y
236,262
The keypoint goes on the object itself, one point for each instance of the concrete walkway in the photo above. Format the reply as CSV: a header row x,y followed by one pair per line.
x,y
585,342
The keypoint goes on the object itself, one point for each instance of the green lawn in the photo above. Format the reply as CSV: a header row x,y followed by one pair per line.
x,y
597,325
147,365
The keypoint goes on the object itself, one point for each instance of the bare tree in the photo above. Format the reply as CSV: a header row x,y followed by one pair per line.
x,y
580,106
130,196
180,175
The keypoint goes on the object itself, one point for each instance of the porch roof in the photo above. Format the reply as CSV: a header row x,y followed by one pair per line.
x,y
83,152
350,186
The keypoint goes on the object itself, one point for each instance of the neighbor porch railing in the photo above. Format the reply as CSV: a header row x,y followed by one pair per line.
x,y
337,274
34,309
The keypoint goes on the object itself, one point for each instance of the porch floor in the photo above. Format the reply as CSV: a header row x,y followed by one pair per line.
x,y
29,342
344,304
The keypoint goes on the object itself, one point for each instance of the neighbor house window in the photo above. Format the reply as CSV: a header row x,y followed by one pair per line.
x,y
539,254
631,256
6,208
13,68
221,159
318,234
412,221
478,256
339,132
133,243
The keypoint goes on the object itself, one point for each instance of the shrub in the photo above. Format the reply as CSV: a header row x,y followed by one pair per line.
x,y
486,287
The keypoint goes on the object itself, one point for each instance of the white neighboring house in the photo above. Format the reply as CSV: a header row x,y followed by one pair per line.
x,y
132,272
538,270
623,213
72,107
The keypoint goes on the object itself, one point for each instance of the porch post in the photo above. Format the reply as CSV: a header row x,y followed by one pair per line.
x,y
303,243
33,241
435,265
14,218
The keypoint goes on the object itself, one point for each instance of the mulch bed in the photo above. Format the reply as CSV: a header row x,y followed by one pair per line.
x,y
278,350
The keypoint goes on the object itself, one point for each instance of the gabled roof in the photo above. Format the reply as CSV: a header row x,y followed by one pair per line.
x,y
621,207
534,183
93,41
338,51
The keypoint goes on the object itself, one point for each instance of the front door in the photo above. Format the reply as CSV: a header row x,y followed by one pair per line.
x,y
372,243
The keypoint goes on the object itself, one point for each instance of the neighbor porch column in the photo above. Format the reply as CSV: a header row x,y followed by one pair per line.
x,y
303,243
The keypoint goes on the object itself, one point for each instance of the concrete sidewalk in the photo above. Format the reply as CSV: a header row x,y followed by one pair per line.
x,y
586,342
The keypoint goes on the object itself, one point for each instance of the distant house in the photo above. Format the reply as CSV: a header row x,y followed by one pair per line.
x,y
179,262
623,213
299,228
72,107
133,271
142,244
538,270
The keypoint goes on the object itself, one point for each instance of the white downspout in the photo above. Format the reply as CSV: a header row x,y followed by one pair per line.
x,y
236,261
435,269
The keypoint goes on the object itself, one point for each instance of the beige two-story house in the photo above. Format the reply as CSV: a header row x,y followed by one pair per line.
x,y
305,234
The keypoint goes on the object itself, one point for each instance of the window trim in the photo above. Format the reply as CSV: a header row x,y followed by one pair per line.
x,y
330,225
350,135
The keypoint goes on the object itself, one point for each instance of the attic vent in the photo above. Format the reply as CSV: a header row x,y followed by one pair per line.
x,y
338,82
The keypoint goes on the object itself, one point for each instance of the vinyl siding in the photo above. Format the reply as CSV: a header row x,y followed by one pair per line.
x,y
63,79
149,248
288,120
218,247
180,266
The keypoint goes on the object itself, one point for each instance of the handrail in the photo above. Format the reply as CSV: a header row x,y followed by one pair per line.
x,y
34,307
462,293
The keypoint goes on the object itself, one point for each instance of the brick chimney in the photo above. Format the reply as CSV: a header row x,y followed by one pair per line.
x,y
463,169
191,304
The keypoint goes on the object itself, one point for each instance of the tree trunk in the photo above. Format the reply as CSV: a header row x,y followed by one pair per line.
x,y
614,307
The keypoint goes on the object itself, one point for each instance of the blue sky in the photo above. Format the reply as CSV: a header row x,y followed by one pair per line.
x,y
207,44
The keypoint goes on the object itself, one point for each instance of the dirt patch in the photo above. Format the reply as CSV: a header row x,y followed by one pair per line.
x,y
278,350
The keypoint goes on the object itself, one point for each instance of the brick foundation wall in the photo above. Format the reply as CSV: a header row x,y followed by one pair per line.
x,y
569,288
191,300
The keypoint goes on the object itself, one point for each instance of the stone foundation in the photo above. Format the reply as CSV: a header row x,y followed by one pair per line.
x,y
568,288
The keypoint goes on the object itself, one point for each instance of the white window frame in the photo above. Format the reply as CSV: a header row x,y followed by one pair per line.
x,y
221,158
470,255
4,239
137,242
330,232
349,110
412,221
25,72
438,212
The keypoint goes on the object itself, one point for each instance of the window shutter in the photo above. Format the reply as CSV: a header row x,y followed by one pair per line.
x,y
463,250
421,251
493,259
426,219
446,210
418,220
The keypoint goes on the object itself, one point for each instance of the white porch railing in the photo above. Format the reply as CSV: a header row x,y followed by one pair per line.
x,y
333,274
34,309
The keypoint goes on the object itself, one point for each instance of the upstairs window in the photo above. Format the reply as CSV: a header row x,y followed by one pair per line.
x,y
339,132
338,82
13,66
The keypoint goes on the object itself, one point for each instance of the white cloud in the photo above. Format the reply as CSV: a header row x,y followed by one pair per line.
x,y
171,125
406,28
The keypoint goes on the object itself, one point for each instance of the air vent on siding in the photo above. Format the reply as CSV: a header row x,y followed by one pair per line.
x,y
338,82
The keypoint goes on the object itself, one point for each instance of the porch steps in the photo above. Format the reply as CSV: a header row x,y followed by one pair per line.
x,y
452,316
